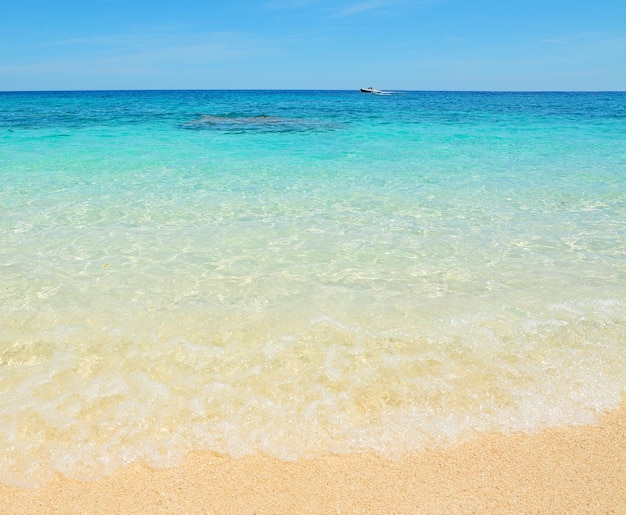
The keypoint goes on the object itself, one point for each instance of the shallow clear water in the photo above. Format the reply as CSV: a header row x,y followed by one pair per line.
x,y
299,273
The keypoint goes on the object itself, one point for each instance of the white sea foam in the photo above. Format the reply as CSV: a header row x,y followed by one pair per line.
x,y
87,400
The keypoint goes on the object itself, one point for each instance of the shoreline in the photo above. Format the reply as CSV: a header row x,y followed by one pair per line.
x,y
578,469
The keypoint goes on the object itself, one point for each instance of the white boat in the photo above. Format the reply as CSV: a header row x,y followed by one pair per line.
x,y
370,90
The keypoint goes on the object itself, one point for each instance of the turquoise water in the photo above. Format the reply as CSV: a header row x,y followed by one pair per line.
x,y
302,273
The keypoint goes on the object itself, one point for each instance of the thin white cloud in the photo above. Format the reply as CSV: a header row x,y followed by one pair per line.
x,y
380,6
344,8
362,7
289,4
212,45
573,38
140,53
340,8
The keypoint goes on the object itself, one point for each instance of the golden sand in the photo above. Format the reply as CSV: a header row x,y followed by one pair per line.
x,y
567,470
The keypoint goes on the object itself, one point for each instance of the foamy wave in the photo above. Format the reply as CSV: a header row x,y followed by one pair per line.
x,y
86,398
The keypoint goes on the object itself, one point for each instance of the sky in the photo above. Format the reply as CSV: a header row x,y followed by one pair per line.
x,y
484,45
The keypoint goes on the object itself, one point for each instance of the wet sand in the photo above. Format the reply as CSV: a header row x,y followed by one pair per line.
x,y
566,470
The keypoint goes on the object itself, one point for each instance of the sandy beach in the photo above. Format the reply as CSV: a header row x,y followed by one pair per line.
x,y
566,470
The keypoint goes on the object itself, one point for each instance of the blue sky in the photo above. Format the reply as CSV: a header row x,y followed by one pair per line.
x,y
313,44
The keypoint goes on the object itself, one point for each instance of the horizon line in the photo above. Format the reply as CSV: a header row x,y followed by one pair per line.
x,y
138,90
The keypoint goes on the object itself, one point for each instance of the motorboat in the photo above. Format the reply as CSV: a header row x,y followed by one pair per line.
x,y
370,90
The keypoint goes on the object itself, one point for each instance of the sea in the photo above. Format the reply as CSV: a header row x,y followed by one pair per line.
x,y
303,273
